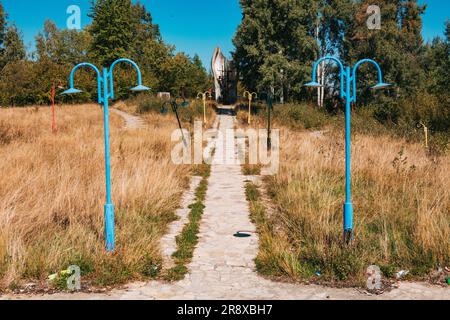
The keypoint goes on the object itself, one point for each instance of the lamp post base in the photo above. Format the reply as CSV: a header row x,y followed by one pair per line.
x,y
109,227
348,222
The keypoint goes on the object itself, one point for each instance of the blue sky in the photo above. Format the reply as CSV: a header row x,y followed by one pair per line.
x,y
193,26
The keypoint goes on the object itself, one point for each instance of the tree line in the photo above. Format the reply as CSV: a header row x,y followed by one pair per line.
x,y
278,42
118,29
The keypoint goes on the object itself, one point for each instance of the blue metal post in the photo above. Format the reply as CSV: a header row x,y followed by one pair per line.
x,y
103,98
348,206
348,82
109,207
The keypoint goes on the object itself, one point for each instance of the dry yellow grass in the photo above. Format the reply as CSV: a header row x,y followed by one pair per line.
x,y
52,194
401,200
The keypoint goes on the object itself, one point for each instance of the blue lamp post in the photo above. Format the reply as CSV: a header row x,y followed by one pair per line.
x,y
348,92
104,80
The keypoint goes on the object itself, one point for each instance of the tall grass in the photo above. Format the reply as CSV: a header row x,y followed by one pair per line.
x,y
401,201
146,104
52,194
364,121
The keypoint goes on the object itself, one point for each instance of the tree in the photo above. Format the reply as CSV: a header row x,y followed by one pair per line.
x,y
62,46
436,64
14,49
148,48
183,76
275,44
201,81
397,46
144,30
111,30
11,44
3,17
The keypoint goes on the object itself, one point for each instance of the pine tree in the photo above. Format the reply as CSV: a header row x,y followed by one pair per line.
x,y
275,44
436,64
397,46
111,30
14,48
3,17
143,28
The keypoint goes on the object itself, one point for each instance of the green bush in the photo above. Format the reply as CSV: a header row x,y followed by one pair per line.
x,y
147,103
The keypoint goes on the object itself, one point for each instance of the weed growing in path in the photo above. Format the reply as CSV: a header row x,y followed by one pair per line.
x,y
188,238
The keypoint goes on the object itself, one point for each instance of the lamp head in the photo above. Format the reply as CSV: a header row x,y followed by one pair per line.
x,y
313,84
184,104
381,85
72,91
139,88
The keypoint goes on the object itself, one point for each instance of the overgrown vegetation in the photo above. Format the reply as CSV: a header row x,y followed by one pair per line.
x,y
364,121
278,42
51,204
188,114
188,238
401,219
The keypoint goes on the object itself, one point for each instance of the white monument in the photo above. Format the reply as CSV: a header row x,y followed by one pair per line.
x,y
225,77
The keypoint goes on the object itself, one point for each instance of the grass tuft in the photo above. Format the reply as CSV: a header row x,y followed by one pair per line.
x,y
188,238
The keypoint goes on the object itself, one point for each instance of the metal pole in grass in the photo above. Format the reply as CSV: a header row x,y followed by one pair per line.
x,y
204,96
269,103
250,96
53,108
269,110
425,131
105,81
348,79
173,103
210,99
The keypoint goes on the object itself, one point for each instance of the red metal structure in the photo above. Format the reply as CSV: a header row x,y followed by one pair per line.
x,y
53,108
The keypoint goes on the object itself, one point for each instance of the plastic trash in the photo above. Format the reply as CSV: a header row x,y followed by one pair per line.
x,y
52,277
55,276
401,274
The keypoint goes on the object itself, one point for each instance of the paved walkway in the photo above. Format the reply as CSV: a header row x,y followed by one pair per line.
x,y
131,122
223,265
169,240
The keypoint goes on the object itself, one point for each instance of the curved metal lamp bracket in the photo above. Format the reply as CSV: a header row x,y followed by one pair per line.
x,y
354,74
111,73
341,66
99,78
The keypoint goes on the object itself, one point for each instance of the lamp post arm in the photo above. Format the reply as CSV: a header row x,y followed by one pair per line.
x,y
111,73
354,74
341,67
99,78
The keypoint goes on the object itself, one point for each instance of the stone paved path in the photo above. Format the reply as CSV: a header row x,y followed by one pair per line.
x,y
168,241
131,122
223,266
